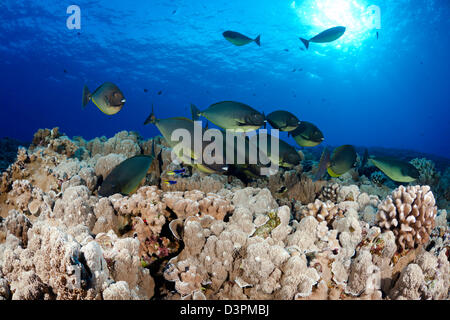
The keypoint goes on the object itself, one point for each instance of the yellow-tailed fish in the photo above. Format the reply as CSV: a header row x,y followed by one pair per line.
x,y
108,98
307,134
397,170
342,160
231,115
169,125
283,120
170,182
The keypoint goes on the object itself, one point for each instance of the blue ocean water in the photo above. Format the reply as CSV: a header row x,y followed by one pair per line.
x,y
391,91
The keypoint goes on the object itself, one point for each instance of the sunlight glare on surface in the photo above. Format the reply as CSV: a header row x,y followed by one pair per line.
x,y
358,17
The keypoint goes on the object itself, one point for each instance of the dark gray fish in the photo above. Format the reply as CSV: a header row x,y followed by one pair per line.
x,y
397,170
342,160
169,125
231,115
307,134
283,120
328,35
365,158
239,39
126,177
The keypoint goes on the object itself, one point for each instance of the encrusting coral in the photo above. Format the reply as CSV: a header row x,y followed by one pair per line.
x,y
322,211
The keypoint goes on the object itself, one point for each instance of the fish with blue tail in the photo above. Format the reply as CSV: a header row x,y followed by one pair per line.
x,y
179,172
170,182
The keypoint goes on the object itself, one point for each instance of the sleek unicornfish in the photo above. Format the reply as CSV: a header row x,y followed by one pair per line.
x,y
328,35
239,39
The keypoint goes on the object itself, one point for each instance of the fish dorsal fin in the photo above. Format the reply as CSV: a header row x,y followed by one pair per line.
x,y
151,118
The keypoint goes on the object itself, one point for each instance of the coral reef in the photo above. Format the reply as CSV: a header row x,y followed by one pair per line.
x,y
212,236
8,151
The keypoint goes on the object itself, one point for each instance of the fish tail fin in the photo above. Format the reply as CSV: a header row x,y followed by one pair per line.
x,y
365,158
305,42
86,95
258,40
323,164
332,173
151,118
153,154
195,112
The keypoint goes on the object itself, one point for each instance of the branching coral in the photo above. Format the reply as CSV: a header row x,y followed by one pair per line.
x,y
322,211
330,192
410,213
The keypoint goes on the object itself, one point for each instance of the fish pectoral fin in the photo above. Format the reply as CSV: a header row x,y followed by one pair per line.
x,y
241,124
304,137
